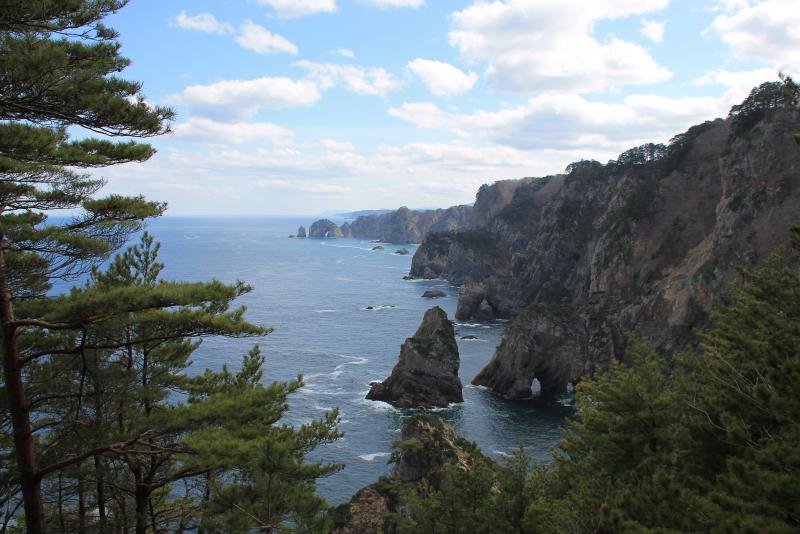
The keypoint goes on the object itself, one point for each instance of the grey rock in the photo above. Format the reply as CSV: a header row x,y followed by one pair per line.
x,y
401,251
426,374
301,232
434,294
324,229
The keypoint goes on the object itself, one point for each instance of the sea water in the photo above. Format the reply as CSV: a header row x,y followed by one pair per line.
x,y
316,294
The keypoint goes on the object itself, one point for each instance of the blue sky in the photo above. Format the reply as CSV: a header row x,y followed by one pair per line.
x,y
299,107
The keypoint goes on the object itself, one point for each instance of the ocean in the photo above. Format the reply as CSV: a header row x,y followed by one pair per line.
x,y
315,294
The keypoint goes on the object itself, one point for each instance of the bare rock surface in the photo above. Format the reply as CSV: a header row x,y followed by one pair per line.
x,y
426,375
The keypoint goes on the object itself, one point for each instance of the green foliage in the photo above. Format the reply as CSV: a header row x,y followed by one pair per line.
x,y
791,93
121,380
761,99
59,69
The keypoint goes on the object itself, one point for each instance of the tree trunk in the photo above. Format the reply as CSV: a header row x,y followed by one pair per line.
x,y
142,495
101,494
30,480
81,502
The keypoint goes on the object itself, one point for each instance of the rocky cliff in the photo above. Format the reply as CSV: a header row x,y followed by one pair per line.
x,y
426,374
644,244
427,444
407,226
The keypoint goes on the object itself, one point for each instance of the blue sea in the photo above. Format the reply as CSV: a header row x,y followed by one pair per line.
x,y
315,294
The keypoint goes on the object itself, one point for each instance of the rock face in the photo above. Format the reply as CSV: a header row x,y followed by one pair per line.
x,y
426,374
324,229
426,446
407,226
644,244
301,232
434,294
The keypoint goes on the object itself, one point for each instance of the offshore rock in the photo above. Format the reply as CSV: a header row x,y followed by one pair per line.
x,y
434,294
426,375
324,229
301,232
401,251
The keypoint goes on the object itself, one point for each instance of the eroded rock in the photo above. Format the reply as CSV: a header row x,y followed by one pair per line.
x,y
426,374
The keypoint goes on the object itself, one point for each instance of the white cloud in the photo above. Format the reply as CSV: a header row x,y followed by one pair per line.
x,y
395,3
234,100
211,131
204,22
548,45
304,187
290,9
255,37
361,80
653,30
337,146
442,79
768,31
343,52
570,122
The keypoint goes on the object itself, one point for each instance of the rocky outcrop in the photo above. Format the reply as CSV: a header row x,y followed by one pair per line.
x,y
427,444
426,374
301,232
434,294
402,251
644,244
377,248
324,229
407,226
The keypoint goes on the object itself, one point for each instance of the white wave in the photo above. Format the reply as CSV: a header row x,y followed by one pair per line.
x,y
354,360
371,457
379,308
326,311
502,453
376,406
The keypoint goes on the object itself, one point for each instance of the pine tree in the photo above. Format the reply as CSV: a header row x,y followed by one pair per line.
x,y
791,92
58,68
257,474
743,400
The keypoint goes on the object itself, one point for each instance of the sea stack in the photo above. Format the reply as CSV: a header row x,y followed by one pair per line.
x,y
301,232
323,229
426,376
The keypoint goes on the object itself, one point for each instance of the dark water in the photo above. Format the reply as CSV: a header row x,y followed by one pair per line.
x,y
314,293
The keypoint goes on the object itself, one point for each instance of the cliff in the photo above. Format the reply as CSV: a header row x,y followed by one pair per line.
x,y
644,244
427,445
407,226
426,374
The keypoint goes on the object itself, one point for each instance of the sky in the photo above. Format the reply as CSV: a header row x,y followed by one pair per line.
x,y
303,107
